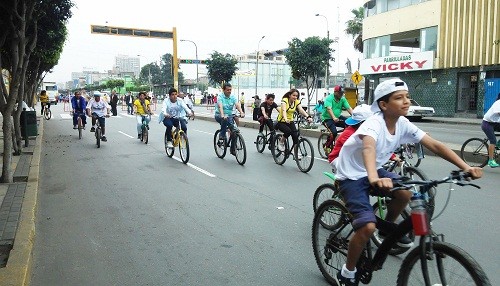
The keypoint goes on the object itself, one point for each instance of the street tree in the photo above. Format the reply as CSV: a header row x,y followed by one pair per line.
x,y
355,28
307,60
221,68
20,20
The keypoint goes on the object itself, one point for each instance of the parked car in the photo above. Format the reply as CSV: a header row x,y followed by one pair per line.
x,y
416,111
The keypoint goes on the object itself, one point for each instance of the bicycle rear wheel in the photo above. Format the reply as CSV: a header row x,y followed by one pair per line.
x,y
98,137
220,148
323,150
184,147
449,265
279,156
240,149
474,152
330,247
305,151
80,127
260,143
168,150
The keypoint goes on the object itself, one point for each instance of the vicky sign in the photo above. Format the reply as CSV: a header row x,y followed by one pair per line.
x,y
398,63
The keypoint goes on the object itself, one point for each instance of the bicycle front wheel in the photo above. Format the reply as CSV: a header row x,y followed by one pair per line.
x,y
260,143
324,192
304,155
240,149
475,152
168,150
449,265
145,134
98,137
330,247
323,150
184,147
219,147
47,114
80,127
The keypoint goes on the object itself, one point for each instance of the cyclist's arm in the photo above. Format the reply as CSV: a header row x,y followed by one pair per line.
x,y
304,113
446,153
369,159
221,110
263,112
330,111
186,108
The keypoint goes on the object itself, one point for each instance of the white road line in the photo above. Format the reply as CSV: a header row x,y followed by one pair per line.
x,y
127,115
66,116
126,134
196,168
210,133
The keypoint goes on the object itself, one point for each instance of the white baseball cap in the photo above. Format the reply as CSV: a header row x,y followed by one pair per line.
x,y
386,87
359,114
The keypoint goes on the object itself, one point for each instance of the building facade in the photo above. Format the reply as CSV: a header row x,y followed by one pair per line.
x,y
448,51
127,65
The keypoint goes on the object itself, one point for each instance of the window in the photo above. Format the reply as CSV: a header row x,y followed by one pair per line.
x,y
377,47
428,37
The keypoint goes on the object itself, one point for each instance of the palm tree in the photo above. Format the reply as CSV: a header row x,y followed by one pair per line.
x,y
355,28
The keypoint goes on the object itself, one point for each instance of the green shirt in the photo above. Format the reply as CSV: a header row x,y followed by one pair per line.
x,y
336,106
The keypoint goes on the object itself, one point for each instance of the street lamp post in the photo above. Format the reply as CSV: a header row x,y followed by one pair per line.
x,y
196,50
327,83
257,65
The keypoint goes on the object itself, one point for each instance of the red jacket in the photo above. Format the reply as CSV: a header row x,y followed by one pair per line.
x,y
348,131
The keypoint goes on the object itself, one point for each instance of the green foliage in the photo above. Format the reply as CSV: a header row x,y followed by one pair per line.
x,y
308,59
355,28
221,68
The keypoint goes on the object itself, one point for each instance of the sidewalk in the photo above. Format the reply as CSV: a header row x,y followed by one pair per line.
x,y
17,212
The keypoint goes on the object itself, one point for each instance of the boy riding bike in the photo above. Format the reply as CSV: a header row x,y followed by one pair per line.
x,y
98,109
360,172
44,100
142,109
174,111
224,107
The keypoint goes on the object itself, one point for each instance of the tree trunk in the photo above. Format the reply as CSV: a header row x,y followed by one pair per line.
x,y
7,174
18,147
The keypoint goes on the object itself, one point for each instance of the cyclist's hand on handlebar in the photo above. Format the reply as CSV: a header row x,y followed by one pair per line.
x,y
242,115
475,172
382,183
336,120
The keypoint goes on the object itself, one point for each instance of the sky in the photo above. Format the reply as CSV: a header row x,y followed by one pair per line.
x,y
233,27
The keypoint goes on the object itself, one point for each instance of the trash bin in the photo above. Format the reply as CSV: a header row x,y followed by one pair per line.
x,y
28,123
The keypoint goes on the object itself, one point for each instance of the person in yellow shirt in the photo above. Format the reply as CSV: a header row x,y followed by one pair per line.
x,y
142,110
44,100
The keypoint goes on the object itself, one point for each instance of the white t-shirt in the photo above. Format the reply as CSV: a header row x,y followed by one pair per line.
x,y
350,163
100,108
493,114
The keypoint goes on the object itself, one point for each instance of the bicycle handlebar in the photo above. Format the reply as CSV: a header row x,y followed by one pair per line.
x,y
458,177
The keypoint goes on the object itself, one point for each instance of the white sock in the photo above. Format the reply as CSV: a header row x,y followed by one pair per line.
x,y
347,273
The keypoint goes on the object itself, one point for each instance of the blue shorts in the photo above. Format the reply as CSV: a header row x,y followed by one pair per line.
x,y
356,194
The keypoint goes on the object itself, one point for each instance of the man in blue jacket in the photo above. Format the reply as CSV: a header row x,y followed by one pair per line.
x,y
78,105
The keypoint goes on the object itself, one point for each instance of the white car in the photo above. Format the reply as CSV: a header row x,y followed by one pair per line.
x,y
417,111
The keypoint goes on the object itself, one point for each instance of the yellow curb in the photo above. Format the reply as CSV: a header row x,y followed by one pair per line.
x,y
18,269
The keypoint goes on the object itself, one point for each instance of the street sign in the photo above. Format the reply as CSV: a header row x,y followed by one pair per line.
x,y
356,77
182,61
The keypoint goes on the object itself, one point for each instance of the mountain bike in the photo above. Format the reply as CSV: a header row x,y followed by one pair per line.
x,y
326,142
303,152
79,121
474,151
180,139
264,139
236,143
432,262
47,114
145,128
98,131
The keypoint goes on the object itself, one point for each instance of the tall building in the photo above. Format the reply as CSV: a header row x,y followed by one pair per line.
x,y
126,64
448,51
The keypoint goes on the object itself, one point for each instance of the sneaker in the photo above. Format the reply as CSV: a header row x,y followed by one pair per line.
x,y
493,164
92,129
75,127
104,139
281,146
404,241
139,136
342,281
169,144
260,134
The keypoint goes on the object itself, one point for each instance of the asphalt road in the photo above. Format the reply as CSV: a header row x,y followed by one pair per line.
x,y
126,214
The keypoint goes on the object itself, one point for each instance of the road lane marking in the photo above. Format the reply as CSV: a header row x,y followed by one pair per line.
x,y
66,116
126,134
196,168
209,133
